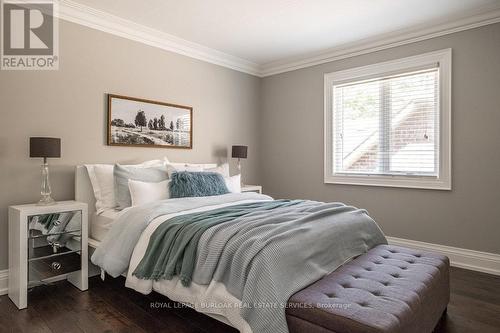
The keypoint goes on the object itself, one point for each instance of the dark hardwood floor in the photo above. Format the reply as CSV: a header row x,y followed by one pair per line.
x,y
110,307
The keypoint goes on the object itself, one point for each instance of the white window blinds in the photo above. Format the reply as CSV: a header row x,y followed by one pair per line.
x,y
387,125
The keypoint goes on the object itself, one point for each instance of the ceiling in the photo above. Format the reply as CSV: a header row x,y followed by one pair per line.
x,y
268,31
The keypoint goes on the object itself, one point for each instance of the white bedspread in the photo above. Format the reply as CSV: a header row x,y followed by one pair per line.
x,y
101,223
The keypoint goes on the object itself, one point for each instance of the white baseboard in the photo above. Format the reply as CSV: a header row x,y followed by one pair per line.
x,y
463,258
4,282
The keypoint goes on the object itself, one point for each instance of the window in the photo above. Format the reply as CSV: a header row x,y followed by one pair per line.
x,y
388,124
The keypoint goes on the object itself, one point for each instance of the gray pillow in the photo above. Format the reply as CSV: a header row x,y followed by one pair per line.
x,y
145,174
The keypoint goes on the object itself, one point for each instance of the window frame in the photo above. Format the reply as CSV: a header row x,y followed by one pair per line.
x,y
443,181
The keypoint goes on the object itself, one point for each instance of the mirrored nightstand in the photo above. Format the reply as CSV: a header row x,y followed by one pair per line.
x,y
46,244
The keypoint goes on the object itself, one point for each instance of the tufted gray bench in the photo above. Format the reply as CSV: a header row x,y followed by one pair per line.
x,y
387,289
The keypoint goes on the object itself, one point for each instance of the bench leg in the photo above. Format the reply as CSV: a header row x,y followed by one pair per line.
x,y
441,324
444,312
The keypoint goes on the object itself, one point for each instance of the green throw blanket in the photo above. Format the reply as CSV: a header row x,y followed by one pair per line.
x,y
173,245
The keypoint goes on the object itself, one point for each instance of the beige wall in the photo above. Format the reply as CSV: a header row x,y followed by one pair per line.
x,y
70,104
468,216
279,117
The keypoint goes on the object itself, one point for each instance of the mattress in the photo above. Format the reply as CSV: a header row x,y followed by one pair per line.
x,y
101,223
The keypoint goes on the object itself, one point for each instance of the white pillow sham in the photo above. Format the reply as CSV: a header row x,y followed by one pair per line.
x,y
233,184
223,169
103,182
186,164
146,192
171,168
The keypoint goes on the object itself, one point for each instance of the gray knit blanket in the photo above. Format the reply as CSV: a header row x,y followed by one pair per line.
x,y
265,258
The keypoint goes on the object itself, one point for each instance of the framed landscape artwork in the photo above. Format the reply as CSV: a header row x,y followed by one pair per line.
x,y
145,123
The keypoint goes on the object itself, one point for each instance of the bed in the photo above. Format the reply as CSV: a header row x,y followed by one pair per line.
x,y
243,273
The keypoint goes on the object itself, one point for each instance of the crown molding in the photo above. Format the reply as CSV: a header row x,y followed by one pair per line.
x,y
380,42
103,21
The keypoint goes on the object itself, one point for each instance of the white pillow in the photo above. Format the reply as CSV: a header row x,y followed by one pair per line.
x,y
192,165
145,192
223,169
103,183
151,163
177,167
233,184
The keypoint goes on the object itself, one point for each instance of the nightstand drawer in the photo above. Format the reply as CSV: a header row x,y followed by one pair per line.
x,y
48,234
40,248
41,269
54,223
44,245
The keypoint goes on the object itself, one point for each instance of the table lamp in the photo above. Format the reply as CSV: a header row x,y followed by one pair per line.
x,y
239,152
45,148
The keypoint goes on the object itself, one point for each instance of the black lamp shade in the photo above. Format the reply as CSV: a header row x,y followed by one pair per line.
x,y
239,151
45,147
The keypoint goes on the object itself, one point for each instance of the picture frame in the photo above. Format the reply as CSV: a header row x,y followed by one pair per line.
x,y
137,122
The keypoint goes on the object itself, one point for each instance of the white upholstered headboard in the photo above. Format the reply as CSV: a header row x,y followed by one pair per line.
x,y
83,189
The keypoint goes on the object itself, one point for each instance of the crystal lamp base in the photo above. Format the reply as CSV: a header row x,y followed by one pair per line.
x,y
46,200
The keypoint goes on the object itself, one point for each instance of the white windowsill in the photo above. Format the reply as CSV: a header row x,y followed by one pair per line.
x,y
390,181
